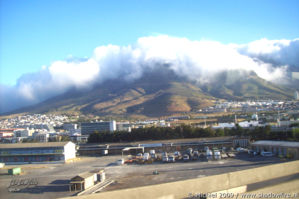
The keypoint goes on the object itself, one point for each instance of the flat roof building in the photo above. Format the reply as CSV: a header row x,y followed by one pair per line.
x,y
23,153
82,181
282,148
86,180
91,127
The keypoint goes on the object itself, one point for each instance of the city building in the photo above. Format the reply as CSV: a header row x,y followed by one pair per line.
x,y
296,95
241,142
281,148
6,133
123,126
70,126
182,117
41,136
88,128
24,133
79,138
224,125
23,153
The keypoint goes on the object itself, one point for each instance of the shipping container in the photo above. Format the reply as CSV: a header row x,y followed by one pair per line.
x,y
14,171
105,152
2,165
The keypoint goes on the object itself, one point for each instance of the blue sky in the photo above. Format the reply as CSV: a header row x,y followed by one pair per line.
x,y
37,33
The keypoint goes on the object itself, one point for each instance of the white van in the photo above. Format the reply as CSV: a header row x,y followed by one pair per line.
x,y
146,156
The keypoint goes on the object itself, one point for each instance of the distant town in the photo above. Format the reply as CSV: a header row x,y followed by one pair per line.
x,y
76,155
249,114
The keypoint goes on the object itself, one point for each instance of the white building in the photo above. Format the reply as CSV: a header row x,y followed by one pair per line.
x,y
23,133
41,136
23,153
70,126
91,127
224,125
247,124
123,126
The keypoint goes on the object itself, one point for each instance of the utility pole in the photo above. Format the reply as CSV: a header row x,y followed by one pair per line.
x,y
278,119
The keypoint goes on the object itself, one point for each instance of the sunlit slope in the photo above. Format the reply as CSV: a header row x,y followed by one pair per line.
x,y
159,93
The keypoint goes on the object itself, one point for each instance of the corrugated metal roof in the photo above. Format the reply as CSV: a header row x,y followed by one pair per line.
x,y
32,145
276,143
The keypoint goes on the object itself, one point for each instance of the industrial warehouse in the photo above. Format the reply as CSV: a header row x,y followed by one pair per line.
x,y
280,148
37,152
148,164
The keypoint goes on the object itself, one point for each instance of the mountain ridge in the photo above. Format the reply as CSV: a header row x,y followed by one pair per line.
x,y
159,93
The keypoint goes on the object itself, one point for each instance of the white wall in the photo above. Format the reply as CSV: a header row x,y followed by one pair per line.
x,y
112,126
69,151
88,182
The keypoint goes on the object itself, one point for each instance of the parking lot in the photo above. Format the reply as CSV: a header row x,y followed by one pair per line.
x,y
52,179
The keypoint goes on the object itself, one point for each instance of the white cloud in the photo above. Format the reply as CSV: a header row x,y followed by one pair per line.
x,y
197,60
78,74
275,52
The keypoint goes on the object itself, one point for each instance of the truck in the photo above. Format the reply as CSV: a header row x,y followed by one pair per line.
x,y
195,155
217,155
146,156
164,158
177,155
171,158
209,154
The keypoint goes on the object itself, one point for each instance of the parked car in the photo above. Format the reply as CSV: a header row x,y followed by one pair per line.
x,y
120,162
209,153
153,156
171,158
231,155
206,148
224,155
251,152
195,155
105,152
202,156
164,158
186,157
189,151
139,155
266,154
217,155
240,149
177,155
164,153
152,151
155,172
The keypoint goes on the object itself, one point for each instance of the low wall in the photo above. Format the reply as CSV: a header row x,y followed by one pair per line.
x,y
228,182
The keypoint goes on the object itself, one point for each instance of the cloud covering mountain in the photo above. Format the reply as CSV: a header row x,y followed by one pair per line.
x,y
275,52
200,61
